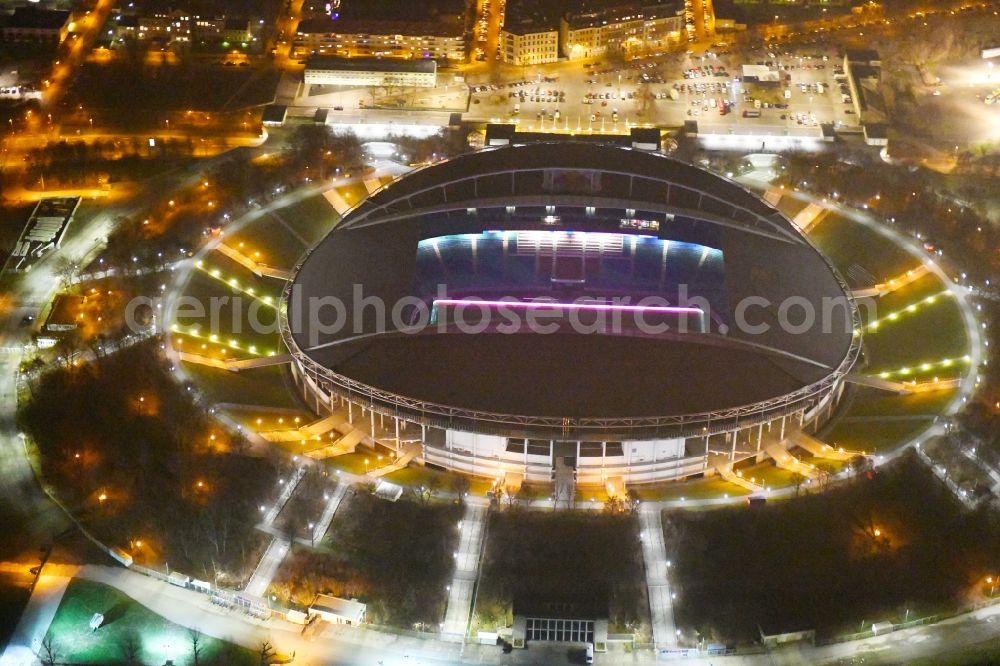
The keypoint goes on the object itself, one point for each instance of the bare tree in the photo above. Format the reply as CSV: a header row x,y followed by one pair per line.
x,y
460,485
65,270
48,654
797,481
130,649
265,652
196,646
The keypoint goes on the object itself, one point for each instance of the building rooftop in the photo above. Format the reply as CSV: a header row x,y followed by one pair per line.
x,y
596,13
274,114
426,66
528,16
39,19
862,55
345,608
402,10
526,25
443,27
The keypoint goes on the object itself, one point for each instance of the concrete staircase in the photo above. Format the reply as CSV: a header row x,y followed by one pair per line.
x,y
810,216
892,284
725,470
410,451
309,431
235,365
254,267
818,448
902,388
782,458
346,444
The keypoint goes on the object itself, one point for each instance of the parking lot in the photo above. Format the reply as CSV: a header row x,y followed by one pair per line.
x,y
670,90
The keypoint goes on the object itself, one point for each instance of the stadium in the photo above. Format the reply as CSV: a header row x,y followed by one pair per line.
x,y
570,308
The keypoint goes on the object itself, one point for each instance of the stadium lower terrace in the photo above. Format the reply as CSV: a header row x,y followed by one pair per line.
x,y
572,306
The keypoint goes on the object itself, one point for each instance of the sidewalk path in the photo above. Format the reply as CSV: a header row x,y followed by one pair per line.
x,y
470,546
35,620
654,555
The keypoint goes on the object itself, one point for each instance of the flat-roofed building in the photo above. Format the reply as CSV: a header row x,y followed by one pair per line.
x,y
864,76
338,611
434,29
30,24
393,39
369,72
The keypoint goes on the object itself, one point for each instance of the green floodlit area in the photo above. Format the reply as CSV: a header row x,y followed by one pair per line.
x,y
130,633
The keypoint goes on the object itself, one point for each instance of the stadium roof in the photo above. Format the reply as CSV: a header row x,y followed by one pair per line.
x,y
565,374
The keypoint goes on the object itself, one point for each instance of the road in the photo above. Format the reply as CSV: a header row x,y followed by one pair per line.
x,y
75,50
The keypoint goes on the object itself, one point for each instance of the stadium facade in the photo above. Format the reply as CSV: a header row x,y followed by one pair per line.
x,y
568,304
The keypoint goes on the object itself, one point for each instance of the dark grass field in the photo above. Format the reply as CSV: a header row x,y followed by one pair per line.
x,y
866,552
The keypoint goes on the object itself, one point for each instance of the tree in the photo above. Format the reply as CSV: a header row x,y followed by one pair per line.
x,y
460,485
644,99
433,486
859,465
48,655
65,270
130,649
265,652
196,646
632,500
314,146
797,481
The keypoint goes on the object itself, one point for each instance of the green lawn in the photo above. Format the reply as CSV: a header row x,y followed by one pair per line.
x,y
130,633
414,475
312,217
914,292
768,474
270,242
931,334
847,243
243,326
710,488
355,462
873,436
873,402
245,279
275,243
260,386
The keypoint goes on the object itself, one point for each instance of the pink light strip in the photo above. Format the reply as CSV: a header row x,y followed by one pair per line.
x,y
535,305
